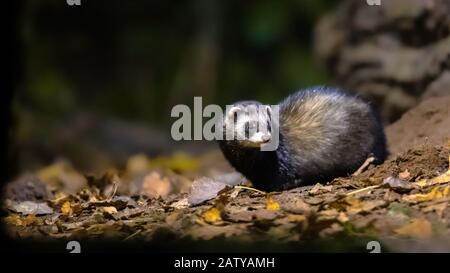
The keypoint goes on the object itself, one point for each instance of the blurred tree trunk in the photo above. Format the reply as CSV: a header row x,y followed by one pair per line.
x,y
197,74
15,70
397,53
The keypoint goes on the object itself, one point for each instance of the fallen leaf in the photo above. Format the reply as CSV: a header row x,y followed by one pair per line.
x,y
180,204
435,193
109,210
404,175
318,188
127,213
441,179
438,208
172,218
61,175
155,186
106,184
204,189
66,208
296,206
272,204
208,232
231,179
418,228
331,230
328,214
137,164
30,207
313,200
397,184
290,218
16,220
342,217
178,162
357,206
266,214
212,215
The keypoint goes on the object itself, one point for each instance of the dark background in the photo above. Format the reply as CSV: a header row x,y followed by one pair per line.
x,y
95,83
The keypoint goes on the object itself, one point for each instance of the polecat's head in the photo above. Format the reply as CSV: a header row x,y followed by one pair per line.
x,y
252,123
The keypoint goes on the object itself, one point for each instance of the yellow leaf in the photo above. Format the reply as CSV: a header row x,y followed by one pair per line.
x,y
441,179
66,209
212,215
110,210
178,162
421,183
435,193
20,221
418,228
272,204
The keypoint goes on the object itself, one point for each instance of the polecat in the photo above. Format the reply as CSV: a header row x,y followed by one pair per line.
x,y
324,133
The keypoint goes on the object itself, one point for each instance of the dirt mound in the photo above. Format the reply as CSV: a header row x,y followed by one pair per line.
x,y
421,162
429,122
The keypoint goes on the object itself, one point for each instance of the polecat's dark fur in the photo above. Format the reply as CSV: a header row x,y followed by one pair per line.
x,y
323,133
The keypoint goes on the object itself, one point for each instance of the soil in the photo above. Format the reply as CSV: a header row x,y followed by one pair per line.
x,y
428,123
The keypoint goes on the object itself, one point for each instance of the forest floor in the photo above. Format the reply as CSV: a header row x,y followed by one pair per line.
x,y
185,200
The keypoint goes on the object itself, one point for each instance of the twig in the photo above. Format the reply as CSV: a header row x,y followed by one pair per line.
x,y
115,186
363,189
364,166
251,189
132,235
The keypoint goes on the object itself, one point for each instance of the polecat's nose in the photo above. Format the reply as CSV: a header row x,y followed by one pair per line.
x,y
265,137
260,138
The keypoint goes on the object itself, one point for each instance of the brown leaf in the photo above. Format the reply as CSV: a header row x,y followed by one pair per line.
x,y
61,175
180,204
397,184
208,232
404,175
357,206
204,189
137,164
30,207
297,206
290,218
438,208
418,228
155,186
318,188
